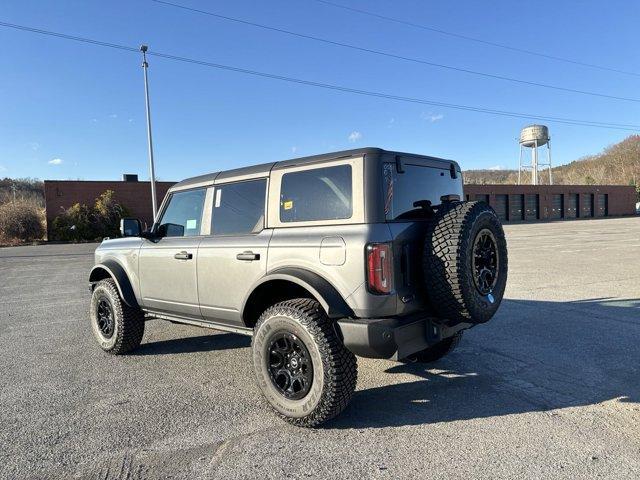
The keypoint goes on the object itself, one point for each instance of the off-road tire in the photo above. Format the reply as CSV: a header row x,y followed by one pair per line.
x,y
128,325
437,351
334,367
447,262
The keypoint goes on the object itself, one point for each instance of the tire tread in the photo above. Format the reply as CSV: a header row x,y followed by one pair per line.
x,y
130,320
446,275
340,368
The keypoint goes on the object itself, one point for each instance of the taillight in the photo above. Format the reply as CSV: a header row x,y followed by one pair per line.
x,y
380,268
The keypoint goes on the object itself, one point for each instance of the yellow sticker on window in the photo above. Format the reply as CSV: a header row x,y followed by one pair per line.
x,y
288,205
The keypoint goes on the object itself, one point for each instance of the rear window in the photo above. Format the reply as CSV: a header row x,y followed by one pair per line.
x,y
317,194
238,208
417,183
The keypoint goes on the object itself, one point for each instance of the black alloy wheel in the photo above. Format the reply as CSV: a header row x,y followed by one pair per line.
x,y
485,262
105,317
290,367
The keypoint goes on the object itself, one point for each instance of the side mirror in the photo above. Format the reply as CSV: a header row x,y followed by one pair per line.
x,y
130,227
170,230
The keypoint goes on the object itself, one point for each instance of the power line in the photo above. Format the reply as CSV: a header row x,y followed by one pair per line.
x,y
69,37
395,56
477,40
570,121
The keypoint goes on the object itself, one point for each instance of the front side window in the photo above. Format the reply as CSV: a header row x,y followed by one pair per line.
x,y
238,208
183,214
317,194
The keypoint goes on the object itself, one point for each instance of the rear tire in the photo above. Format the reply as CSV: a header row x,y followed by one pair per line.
x,y
437,351
118,328
302,367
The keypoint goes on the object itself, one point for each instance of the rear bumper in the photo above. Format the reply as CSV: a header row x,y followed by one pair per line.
x,y
394,338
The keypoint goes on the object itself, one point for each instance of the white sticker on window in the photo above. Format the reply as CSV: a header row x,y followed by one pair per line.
x,y
192,224
218,198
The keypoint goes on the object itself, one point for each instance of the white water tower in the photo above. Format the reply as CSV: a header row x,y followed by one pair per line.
x,y
533,137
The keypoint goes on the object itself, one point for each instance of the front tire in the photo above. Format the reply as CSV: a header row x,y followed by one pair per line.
x,y
302,367
118,328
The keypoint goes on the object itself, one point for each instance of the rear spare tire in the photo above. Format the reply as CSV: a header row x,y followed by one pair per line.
x,y
465,262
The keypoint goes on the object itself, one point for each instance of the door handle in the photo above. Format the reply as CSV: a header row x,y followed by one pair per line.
x,y
248,256
183,255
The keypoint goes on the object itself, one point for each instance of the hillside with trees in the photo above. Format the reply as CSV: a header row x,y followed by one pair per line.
x,y
23,189
618,164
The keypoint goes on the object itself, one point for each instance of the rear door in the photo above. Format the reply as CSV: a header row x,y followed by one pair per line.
x,y
418,182
233,257
167,265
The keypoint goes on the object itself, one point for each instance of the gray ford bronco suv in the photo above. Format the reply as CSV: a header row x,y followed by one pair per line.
x,y
363,252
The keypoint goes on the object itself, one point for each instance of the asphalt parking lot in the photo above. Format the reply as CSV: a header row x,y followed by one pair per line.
x,y
550,388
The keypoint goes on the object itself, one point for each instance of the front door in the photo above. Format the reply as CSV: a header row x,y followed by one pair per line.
x,y
234,256
168,281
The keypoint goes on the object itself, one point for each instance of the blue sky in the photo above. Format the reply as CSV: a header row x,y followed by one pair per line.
x,y
70,110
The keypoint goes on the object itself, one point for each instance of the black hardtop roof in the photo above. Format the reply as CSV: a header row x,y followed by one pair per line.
x,y
262,170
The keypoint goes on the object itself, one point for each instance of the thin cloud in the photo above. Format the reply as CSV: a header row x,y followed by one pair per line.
x,y
497,167
431,117
354,136
55,161
113,115
35,146
294,149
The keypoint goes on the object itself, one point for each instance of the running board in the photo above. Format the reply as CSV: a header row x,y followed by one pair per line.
x,y
199,323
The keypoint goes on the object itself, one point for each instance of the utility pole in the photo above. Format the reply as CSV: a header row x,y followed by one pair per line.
x,y
152,174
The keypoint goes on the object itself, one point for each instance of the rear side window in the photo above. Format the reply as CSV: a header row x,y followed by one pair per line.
x,y
417,183
238,208
183,214
317,194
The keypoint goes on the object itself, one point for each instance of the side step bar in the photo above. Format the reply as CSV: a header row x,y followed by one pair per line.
x,y
150,315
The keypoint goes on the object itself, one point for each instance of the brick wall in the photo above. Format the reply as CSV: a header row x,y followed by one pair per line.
x,y
136,196
620,199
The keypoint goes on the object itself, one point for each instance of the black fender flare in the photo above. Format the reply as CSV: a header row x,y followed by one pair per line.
x,y
119,275
330,299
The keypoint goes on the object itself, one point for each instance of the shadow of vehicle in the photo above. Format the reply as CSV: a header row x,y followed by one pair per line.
x,y
202,343
533,356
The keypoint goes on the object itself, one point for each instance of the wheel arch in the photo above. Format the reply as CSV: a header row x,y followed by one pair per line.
x,y
285,283
112,269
